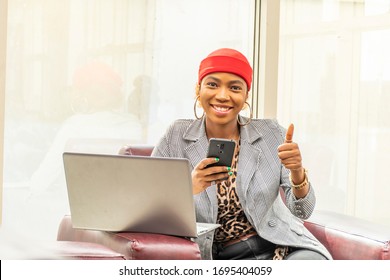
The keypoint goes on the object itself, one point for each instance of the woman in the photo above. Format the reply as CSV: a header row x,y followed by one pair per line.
x,y
245,197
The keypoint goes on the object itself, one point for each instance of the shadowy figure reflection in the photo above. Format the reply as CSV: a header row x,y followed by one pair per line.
x,y
143,101
99,124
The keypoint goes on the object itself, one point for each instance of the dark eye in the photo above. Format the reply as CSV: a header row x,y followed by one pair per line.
x,y
212,84
236,88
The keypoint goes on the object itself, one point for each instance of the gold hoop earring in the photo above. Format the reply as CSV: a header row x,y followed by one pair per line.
x,y
250,117
196,115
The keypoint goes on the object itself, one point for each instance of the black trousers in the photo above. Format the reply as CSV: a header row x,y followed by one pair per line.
x,y
257,248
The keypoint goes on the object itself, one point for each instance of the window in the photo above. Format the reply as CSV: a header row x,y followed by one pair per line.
x,y
145,56
334,85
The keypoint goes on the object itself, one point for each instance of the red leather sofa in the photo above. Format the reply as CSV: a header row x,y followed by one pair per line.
x,y
346,237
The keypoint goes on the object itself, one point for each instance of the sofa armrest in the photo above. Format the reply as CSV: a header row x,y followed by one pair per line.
x,y
136,150
133,245
350,238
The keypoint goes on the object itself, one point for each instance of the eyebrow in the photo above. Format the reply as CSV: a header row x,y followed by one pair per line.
x,y
230,82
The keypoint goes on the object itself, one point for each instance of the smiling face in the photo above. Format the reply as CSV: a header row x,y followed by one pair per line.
x,y
222,96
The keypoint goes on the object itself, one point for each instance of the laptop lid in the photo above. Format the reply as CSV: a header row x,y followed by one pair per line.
x,y
130,193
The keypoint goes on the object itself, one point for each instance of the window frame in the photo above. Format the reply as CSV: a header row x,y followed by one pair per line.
x,y
3,53
264,60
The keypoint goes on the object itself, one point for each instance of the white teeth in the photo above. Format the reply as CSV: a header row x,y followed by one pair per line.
x,y
222,109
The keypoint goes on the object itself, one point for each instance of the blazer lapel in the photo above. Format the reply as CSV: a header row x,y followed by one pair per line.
x,y
196,138
196,151
249,157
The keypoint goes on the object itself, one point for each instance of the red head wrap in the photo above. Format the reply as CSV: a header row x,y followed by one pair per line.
x,y
226,60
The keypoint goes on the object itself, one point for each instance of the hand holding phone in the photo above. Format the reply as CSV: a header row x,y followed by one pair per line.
x,y
222,149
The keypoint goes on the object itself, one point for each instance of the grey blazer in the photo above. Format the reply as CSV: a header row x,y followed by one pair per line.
x,y
259,178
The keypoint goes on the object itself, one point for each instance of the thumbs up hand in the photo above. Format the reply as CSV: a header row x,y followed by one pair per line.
x,y
289,152
290,157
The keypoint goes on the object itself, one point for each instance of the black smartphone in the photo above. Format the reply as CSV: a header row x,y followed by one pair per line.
x,y
222,149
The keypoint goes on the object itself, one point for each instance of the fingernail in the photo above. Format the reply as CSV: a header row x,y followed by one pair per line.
x,y
216,159
228,168
230,173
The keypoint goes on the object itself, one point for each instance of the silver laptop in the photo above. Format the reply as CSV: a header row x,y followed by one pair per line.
x,y
131,193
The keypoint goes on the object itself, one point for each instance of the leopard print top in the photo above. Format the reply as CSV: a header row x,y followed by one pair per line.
x,y
231,216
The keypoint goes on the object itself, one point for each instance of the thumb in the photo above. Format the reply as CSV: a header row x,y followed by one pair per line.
x,y
289,134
